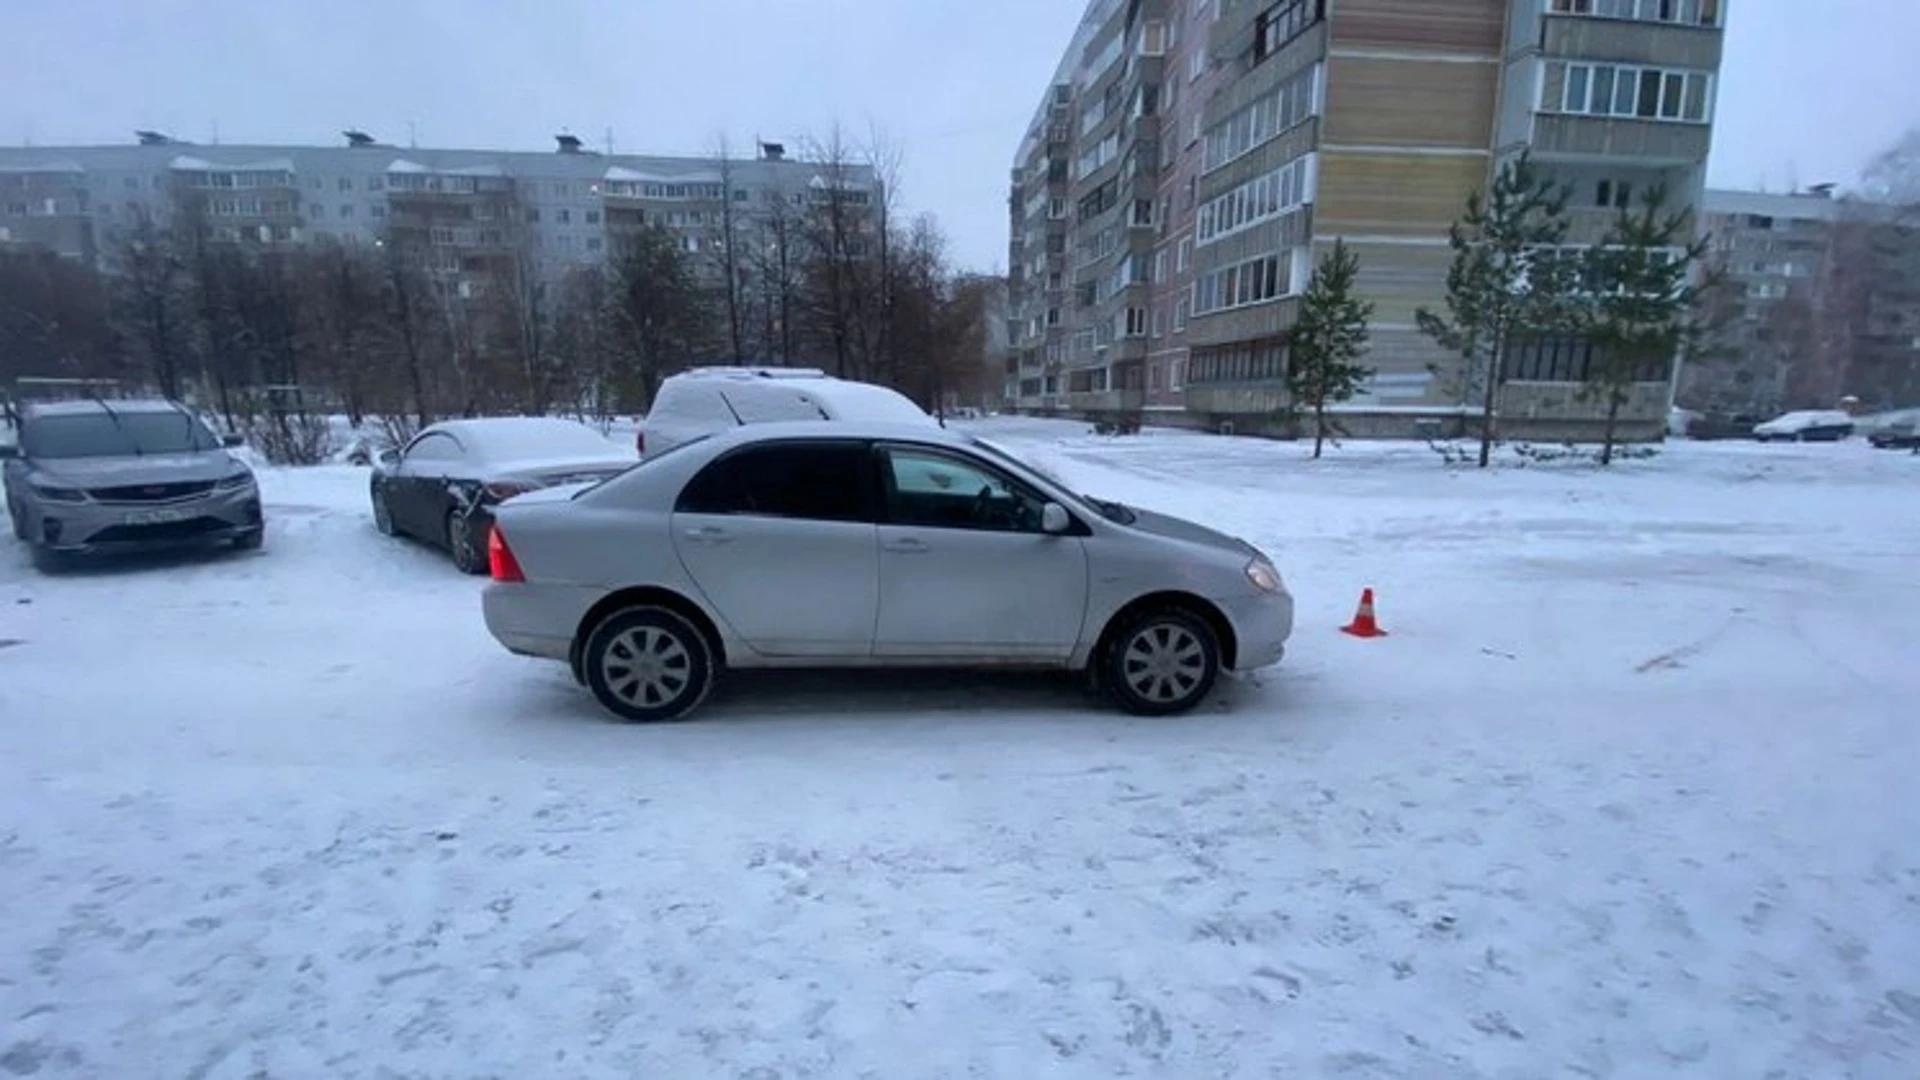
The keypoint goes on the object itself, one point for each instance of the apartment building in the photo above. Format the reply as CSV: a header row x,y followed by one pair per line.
x,y
1193,159
1818,301
470,210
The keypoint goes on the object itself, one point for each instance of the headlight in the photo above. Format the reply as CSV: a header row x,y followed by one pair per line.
x,y
1263,575
235,482
56,493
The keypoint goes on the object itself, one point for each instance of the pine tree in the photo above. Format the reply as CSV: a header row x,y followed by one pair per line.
x,y
1328,341
1500,287
1646,307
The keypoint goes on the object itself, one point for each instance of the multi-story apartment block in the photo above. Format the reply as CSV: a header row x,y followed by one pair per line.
x,y
469,210
1815,304
1193,159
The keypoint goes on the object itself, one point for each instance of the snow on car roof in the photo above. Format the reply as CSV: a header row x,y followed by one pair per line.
x,y
91,406
530,438
863,401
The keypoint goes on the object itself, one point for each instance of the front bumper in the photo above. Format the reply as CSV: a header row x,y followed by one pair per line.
x,y
99,527
1262,624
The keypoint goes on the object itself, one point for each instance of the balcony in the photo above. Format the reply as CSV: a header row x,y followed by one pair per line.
x,y
1560,136
1626,41
1236,398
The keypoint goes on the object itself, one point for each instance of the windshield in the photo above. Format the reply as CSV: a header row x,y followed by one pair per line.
x,y
1112,511
116,435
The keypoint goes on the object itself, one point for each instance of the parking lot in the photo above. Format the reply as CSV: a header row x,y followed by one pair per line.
x,y
1625,792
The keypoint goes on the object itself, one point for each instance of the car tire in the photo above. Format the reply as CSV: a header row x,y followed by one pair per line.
x,y
251,540
1161,662
675,677
468,555
19,522
383,514
48,561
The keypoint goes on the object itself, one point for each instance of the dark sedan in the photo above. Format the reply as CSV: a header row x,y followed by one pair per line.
x,y
443,485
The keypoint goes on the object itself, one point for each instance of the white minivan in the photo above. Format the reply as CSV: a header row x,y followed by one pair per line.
x,y
702,401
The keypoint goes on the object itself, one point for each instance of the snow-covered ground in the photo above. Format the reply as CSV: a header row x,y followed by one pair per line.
x,y
1630,791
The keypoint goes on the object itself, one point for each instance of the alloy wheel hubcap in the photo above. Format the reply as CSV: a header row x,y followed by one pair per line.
x,y
647,666
1164,663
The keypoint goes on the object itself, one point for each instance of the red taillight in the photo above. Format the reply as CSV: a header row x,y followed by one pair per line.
x,y
500,561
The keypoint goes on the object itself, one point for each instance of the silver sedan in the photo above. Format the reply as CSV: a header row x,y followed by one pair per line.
x,y
867,545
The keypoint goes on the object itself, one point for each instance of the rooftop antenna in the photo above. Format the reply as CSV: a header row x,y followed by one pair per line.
x,y
412,143
609,142
216,131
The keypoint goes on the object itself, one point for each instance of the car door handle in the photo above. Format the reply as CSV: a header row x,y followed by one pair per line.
x,y
907,546
709,534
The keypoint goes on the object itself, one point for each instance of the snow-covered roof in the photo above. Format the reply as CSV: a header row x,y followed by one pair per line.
x,y
635,176
402,165
532,439
45,167
90,406
187,163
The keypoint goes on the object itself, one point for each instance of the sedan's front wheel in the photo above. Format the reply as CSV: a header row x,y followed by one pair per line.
x,y
647,664
1162,662
382,513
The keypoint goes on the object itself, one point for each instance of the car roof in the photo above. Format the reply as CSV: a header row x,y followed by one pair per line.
x,y
840,430
99,407
747,374
525,436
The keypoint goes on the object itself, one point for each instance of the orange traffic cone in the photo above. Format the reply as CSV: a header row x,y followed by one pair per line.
x,y
1363,625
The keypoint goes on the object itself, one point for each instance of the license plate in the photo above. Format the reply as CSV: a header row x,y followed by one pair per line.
x,y
155,517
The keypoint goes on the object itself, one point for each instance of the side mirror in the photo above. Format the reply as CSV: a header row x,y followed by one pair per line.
x,y
232,441
1054,519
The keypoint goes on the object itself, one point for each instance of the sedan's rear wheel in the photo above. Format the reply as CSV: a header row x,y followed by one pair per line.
x,y
467,554
1162,662
647,664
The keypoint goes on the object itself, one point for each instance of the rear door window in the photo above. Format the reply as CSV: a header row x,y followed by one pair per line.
x,y
814,481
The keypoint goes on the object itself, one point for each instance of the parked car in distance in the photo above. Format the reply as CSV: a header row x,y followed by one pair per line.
x,y
701,401
1817,425
864,544
104,477
443,486
1897,435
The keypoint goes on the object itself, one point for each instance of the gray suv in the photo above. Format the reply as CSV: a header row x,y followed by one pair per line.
x,y
118,476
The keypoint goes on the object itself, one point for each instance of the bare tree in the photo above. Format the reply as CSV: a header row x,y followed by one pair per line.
x,y
148,284
54,318
731,263
655,312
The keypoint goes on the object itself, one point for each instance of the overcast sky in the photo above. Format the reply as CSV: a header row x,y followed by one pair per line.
x,y
1809,92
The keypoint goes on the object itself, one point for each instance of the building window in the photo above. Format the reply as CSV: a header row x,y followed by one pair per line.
x,y
1262,120
1143,211
1684,12
345,183
1263,198
1632,92
1616,194
563,216
346,210
594,243
1283,22
1184,257
1180,309
593,217
1254,281
1561,359
377,210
